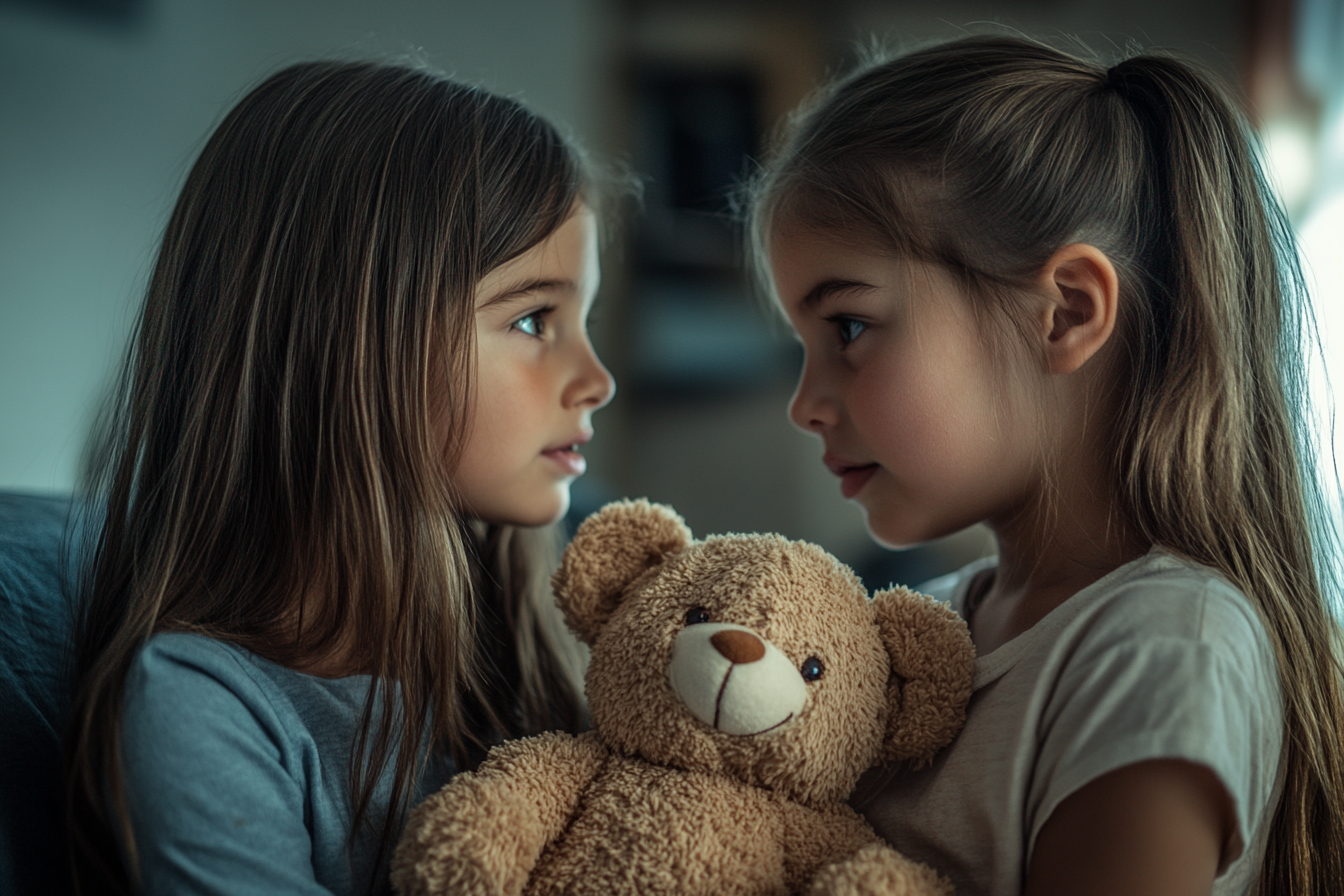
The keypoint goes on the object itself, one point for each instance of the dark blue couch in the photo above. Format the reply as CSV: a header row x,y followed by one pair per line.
x,y
37,560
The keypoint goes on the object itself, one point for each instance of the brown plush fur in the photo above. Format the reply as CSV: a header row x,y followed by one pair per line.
x,y
656,801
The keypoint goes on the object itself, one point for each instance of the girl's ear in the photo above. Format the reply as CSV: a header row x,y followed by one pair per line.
x,y
932,663
1083,290
612,548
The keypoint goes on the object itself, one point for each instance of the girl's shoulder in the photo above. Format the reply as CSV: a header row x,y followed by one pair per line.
x,y
1162,594
1165,596
222,746
178,669
194,654
181,679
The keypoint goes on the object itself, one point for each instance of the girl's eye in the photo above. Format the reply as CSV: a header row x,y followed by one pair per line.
x,y
812,669
848,329
696,616
533,324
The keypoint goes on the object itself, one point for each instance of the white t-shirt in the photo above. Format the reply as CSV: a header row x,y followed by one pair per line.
x,y
1160,659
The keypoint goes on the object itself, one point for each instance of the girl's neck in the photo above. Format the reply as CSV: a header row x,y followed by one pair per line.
x,y
1048,553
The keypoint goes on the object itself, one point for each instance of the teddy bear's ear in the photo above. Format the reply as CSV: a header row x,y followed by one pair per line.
x,y
612,548
932,664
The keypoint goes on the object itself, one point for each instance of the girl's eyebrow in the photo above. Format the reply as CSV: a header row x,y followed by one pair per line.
x,y
527,288
828,288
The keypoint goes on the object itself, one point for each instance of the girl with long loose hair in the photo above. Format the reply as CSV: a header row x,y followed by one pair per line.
x,y
352,406
1058,298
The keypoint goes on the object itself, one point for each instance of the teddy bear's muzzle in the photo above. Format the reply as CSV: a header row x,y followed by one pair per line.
x,y
734,680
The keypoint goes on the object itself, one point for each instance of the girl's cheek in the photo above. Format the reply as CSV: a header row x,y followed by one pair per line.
x,y
499,364
922,412
898,397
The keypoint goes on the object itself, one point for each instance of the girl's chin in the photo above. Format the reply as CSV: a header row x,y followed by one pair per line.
x,y
897,543
531,515
896,534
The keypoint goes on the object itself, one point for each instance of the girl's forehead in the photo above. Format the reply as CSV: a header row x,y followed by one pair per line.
x,y
810,267
568,255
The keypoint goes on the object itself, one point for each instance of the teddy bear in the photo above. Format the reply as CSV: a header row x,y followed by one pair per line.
x,y
738,687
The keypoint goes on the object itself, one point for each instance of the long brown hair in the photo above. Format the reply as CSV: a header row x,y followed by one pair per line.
x,y
988,154
276,462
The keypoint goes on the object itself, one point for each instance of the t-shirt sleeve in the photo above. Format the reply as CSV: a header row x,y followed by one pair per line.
x,y
215,805
1207,696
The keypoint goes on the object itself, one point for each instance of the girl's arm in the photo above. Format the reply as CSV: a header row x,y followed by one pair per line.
x,y
215,791
1159,828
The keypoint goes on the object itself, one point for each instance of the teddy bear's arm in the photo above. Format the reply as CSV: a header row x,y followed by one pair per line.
x,y
878,869
484,831
838,854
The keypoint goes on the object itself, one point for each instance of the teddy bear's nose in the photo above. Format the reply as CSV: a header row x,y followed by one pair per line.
x,y
738,646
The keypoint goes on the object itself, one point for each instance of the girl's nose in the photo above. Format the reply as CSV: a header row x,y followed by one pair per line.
x,y
809,409
594,386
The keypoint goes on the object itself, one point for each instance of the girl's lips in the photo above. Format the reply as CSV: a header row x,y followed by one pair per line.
x,y
567,459
853,479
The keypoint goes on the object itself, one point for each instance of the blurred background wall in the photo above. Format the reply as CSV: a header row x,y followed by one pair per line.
x,y
103,104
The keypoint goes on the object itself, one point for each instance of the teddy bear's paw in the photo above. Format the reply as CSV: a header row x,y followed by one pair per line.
x,y
878,869
447,851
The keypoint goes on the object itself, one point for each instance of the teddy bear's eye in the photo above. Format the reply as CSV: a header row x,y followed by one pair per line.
x,y
812,669
696,616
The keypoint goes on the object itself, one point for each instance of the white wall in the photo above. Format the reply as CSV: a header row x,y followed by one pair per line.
x,y
98,124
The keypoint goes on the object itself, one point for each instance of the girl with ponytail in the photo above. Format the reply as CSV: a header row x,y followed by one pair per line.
x,y
1059,299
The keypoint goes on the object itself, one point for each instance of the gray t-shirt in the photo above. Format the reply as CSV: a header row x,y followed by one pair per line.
x,y
237,773
1160,659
